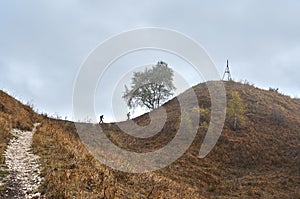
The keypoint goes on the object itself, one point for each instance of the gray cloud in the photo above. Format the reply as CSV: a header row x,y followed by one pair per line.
x,y
42,44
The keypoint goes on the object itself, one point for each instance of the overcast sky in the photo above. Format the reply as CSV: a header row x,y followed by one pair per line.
x,y
44,43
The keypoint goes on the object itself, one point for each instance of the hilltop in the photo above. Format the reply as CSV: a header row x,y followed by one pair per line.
x,y
259,160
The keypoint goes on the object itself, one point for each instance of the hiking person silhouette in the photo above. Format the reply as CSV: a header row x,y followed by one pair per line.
x,y
128,116
101,119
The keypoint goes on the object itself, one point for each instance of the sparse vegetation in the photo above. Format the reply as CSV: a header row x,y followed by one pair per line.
x,y
274,89
236,110
204,116
258,161
68,168
13,114
277,116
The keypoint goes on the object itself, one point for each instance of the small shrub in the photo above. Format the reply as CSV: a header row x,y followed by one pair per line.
x,y
236,111
274,89
277,116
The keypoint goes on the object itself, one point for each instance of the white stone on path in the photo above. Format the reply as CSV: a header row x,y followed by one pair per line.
x,y
23,166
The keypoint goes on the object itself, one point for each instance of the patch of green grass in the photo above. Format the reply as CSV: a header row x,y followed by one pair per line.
x,y
3,174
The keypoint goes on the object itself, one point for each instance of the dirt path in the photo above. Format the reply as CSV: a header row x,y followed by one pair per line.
x,y
23,166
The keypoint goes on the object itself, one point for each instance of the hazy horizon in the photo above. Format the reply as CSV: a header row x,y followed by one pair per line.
x,y
43,44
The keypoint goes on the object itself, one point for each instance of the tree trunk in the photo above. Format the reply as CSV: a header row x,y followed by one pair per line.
x,y
235,122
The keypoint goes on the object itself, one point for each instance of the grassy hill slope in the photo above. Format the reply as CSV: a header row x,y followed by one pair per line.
x,y
13,114
259,160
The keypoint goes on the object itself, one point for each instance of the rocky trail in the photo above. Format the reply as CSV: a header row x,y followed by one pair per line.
x,y
23,166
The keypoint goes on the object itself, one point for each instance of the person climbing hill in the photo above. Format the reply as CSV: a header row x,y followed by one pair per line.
x,y
101,119
128,116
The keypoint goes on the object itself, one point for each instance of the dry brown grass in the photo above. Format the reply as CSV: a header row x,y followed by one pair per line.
x,y
13,114
260,160
68,169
